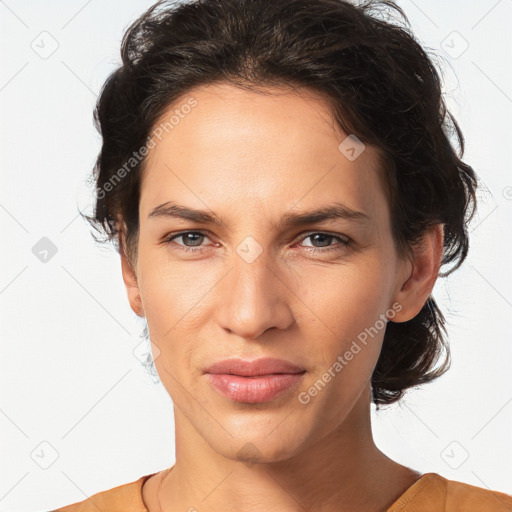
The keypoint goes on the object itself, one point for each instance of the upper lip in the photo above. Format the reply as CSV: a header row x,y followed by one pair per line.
x,y
262,366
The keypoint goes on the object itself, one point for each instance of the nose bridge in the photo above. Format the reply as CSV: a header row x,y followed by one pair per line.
x,y
253,298
252,268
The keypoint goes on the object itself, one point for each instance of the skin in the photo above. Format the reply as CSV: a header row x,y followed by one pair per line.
x,y
250,158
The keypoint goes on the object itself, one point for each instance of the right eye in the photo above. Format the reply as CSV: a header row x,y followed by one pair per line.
x,y
198,236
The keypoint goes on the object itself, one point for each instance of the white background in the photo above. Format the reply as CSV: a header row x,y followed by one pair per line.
x,y
69,377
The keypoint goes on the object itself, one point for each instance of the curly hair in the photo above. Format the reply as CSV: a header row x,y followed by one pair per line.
x,y
382,87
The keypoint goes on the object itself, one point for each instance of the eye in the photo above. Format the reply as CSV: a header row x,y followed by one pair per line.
x,y
195,237
324,239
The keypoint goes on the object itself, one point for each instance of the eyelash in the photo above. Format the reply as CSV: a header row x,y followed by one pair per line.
x,y
342,242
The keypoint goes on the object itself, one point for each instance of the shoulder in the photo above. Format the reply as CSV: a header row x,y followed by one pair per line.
x,y
432,493
461,496
123,498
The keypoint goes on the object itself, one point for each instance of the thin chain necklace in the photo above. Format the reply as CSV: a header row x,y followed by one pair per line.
x,y
160,488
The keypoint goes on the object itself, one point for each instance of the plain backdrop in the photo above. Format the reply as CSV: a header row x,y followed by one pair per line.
x,y
78,412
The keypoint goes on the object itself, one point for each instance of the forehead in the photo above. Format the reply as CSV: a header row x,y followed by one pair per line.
x,y
272,148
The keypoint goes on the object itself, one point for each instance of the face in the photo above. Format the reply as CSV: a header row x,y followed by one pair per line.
x,y
256,284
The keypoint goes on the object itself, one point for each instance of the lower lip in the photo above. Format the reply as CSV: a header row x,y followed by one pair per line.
x,y
254,390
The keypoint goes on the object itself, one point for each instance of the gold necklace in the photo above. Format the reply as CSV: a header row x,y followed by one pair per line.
x,y
160,488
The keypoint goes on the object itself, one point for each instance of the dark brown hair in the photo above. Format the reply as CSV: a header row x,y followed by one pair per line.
x,y
383,88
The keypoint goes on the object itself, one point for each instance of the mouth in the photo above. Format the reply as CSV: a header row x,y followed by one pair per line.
x,y
257,381
256,388
254,368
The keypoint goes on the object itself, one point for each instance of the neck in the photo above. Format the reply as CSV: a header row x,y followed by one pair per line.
x,y
342,471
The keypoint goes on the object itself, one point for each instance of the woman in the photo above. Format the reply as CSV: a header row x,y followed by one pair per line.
x,y
278,178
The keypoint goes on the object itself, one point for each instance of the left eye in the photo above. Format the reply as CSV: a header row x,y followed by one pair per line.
x,y
197,237
342,241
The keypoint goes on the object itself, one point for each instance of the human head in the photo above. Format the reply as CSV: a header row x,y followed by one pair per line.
x,y
380,85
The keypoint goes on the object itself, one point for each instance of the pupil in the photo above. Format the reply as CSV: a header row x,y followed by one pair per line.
x,y
324,236
193,235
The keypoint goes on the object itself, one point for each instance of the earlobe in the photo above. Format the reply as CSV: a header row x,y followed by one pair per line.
x,y
418,285
130,281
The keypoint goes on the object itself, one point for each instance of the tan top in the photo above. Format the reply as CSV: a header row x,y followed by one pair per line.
x,y
431,493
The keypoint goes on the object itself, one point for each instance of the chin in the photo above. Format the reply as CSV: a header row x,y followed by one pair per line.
x,y
258,453
261,445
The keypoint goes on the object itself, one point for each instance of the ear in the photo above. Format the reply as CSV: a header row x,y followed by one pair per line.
x,y
421,274
130,280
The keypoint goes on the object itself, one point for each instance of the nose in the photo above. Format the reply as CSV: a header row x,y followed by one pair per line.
x,y
253,298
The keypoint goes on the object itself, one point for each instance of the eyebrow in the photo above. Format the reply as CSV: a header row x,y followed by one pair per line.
x,y
329,212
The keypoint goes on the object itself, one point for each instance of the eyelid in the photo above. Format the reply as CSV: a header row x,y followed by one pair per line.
x,y
342,239
169,237
307,234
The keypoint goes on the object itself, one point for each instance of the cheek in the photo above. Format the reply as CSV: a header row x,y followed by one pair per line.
x,y
348,328
173,300
345,314
345,297
171,291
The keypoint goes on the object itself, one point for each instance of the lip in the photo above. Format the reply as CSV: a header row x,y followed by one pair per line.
x,y
258,381
257,367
